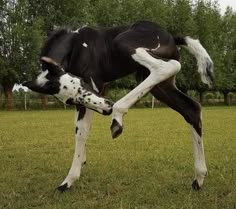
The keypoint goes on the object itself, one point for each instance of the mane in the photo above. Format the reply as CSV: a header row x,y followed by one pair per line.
x,y
51,40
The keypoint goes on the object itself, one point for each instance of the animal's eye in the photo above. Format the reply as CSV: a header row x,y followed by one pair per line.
x,y
43,66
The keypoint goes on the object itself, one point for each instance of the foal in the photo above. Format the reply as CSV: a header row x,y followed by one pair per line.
x,y
77,64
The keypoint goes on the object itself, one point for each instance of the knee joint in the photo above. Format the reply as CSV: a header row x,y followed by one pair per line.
x,y
119,107
175,65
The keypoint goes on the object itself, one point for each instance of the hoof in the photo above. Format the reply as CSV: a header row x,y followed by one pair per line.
x,y
63,188
116,129
195,185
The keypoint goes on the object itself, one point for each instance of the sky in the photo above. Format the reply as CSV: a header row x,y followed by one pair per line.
x,y
225,3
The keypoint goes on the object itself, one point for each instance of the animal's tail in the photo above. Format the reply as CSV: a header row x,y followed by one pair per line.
x,y
205,64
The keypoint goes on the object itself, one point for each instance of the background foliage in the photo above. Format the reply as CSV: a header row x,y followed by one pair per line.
x,y
24,24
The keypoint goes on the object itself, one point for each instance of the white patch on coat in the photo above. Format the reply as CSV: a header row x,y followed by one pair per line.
x,y
41,79
158,46
94,85
76,31
156,65
72,88
85,45
68,88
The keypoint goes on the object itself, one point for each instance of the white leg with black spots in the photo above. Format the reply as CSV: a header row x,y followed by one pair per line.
x,y
159,71
82,127
73,91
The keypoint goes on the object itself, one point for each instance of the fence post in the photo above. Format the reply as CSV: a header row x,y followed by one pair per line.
x,y
153,101
25,101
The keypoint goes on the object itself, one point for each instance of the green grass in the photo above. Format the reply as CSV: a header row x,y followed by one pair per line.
x,y
149,167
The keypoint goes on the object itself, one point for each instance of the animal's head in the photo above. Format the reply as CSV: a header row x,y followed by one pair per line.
x,y
47,82
68,88
55,81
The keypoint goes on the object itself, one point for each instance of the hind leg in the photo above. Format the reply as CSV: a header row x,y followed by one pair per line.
x,y
191,111
159,71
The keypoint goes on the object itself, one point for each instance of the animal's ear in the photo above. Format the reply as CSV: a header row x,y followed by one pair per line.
x,y
52,66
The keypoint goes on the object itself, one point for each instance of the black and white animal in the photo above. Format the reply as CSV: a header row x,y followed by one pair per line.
x,y
77,64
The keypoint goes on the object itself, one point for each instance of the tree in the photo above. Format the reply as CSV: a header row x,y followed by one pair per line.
x,y
20,41
208,27
106,13
183,24
226,76
61,13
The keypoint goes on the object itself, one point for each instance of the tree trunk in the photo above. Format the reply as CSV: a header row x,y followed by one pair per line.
x,y
7,89
226,98
201,99
44,100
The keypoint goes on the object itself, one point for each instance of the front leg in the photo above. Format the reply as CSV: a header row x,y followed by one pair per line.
x,y
74,91
82,127
68,88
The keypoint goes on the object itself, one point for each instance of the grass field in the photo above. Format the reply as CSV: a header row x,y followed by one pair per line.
x,y
149,167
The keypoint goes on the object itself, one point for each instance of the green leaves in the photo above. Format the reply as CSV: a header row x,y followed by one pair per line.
x,y
20,40
25,23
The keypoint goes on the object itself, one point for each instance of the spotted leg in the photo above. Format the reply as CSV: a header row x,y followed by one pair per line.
x,y
159,71
73,90
82,127
191,111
